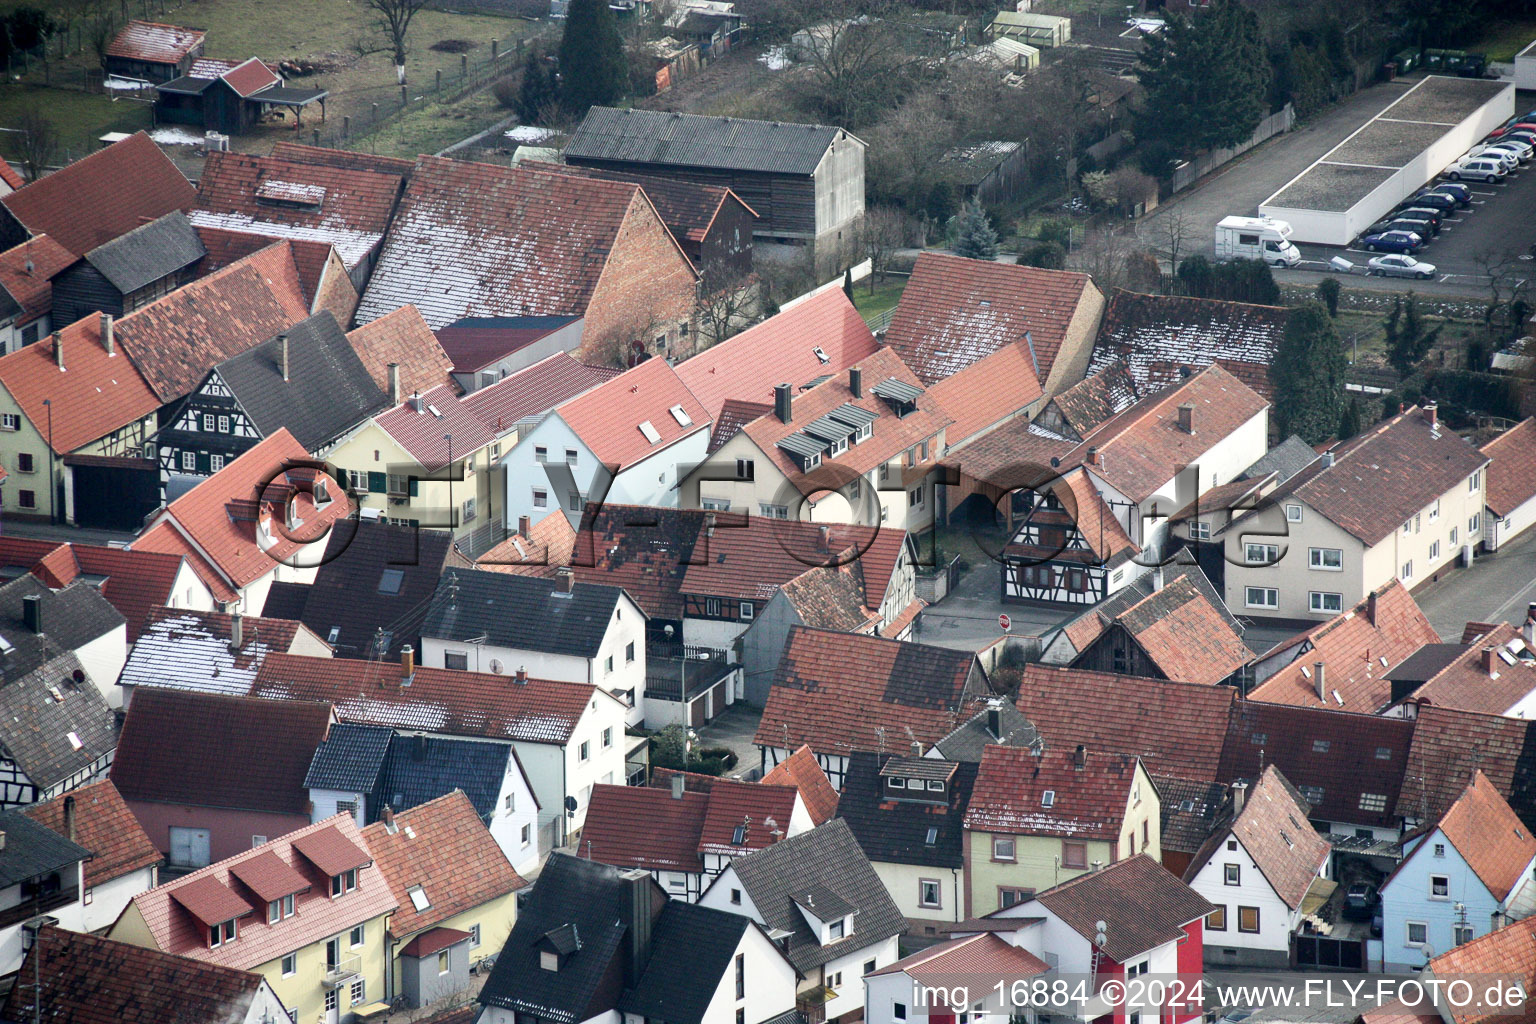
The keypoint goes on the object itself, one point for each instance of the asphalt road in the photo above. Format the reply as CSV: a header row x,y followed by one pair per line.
x,y
1496,588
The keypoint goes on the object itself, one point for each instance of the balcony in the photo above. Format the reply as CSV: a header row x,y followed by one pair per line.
x,y
343,971
812,1004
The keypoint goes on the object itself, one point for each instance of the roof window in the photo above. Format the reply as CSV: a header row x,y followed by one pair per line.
x,y
649,431
681,415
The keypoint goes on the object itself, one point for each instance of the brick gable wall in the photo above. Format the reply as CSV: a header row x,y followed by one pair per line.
x,y
647,285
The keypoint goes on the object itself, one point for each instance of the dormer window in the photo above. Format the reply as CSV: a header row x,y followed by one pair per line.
x,y
221,934
934,785
897,783
836,930
344,882
277,910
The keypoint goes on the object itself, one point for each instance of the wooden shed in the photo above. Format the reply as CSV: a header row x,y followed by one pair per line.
x,y
1045,30
153,52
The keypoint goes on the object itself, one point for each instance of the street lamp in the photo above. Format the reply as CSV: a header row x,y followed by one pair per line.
x,y
52,514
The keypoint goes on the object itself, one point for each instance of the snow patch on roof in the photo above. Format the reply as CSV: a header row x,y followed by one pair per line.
x,y
351,245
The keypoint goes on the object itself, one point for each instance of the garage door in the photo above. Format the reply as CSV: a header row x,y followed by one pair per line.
x,y
189,847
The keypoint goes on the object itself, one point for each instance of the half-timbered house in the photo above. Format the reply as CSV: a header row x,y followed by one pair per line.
x,y
1070,548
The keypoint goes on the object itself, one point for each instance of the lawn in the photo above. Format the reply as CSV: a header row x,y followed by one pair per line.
x,y
1504,39
884,297
82,118
326,33
432,127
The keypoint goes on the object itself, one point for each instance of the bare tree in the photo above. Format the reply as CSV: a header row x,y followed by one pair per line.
x,y
37,142
1173,232
881,231
1105,256
393,19
728,309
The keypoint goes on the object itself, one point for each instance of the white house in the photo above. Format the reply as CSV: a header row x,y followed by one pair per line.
x,y
819,891
126,861
1511,490
1468,875
902,992
629,440
42,873
1259,871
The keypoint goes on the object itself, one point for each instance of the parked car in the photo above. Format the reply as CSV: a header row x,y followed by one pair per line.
x,y
1524,134
1478,169
1376,925
1421,221
1394,241
1510,160
1455,190
1360,901
1429,199
1392,223
1516,145
1500,132
1399,266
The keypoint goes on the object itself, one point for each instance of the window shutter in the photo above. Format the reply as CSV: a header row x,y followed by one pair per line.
x,y
377,483
414,482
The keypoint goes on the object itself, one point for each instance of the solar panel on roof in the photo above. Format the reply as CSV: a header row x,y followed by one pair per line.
x,y
800,444
853,415
897,390
828,429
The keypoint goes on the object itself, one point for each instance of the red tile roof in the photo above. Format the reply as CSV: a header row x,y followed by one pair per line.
x,y
1085,510
10,176
985,955
840,692
1512,473
226,247
479,342
331,852
403,338
644,827
1480,679
102,196
733,416
173,341
103,825
751,558
1176,728
1489,836
435,425
437,700
782,348
166,539
247,79
155,42
24,273
215,751
451,856
136,581
1143,903
1186,636
473,239
1274,830
270,877
298,152
534,389
1510,950
432,941
1096,398
1087,802
892,435
89,979
956,311
547,547
220,515
1161,336
803,771
1357,649
608,417
263,195
991,391
318,915
91,396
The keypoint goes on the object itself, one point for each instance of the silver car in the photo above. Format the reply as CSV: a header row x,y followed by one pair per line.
x,y
1400,265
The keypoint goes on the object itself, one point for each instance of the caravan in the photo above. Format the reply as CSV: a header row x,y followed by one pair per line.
x,y
1256,238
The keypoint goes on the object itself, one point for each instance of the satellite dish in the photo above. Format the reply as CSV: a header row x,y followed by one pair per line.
x,y
1100,926
1101,933
497,667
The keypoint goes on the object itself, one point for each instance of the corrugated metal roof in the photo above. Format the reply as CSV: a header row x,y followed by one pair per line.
x,y
691,140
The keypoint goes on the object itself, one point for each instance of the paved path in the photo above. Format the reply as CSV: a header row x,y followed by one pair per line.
x,y
40,530
1496,588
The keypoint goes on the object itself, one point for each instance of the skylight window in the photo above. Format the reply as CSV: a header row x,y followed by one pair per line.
x,y
74,740
821,354
6,647
681,415
932,837
390,581
435,411
1048,798
649,431
418,897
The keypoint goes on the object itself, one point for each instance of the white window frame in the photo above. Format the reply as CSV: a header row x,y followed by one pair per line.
x,y
189,461
1474,524
290,965
1268,554
1272,592
1199,530
540,498
924,886
1293,513
1317,558
1440,895
1318,601
1407,570
1409,926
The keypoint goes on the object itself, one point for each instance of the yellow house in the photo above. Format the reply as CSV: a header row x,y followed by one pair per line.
x,y
1038,819
456,891
307,911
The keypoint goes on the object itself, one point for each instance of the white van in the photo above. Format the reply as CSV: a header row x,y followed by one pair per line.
x,y
1478,168
1256,238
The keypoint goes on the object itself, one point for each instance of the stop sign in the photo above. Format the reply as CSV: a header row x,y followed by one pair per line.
x,y
1004,621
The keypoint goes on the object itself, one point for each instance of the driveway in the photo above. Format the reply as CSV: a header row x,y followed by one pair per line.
x,y
967,619
734,728
1496,588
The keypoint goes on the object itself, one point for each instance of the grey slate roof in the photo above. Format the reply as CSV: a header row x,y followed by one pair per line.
x,y
328,389
32,849
896,831
967,742
825,858
524,612
72,617
692,140
1287,458
148,253
691,951
418,769
569,891
350,758
35,727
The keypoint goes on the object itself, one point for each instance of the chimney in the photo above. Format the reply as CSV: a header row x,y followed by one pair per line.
x,y
1529,629
856,381
1487,657
387,816
638,916
995,720
520,677
781,403
524,525
1157,579
1080,757
709,524
1093,455
917,748
419,746
394,384
108,335
824,538
1187,418
1239,795
282,358
236,630
417,405
1370,607
407,662
1096,867
69,818
58,348
32,613
565,579
678,787
1431,412
1318,670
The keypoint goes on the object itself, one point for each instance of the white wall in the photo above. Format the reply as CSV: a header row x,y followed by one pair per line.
x,y
1525,68
850,992
1275,918
515,809
902,882
770,983
323,805
103,660
108,899
1504,530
